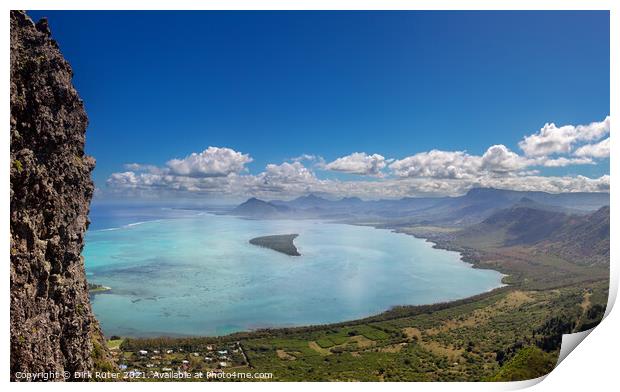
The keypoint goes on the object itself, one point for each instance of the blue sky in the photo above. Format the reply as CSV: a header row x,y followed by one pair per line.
x,y
276,85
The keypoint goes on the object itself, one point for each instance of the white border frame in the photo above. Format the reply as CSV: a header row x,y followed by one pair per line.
x,y
593,365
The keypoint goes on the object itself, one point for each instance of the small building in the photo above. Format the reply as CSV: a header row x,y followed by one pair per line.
x,y
196,354
223,352
143,352
122,366
185,362
209,347
223,364
169,351
208,359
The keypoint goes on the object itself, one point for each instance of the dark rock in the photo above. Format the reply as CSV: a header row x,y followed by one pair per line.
x,y
43,26
52,325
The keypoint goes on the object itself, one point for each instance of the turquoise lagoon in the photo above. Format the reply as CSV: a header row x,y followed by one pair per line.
x,y
194,273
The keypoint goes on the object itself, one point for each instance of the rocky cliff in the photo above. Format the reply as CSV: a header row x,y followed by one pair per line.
x,y
52,326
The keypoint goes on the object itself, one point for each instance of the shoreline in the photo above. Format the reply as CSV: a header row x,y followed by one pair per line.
x,y
392,313
464,257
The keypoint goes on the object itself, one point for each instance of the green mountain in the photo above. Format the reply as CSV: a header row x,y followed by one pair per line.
x,y
584,240
580,239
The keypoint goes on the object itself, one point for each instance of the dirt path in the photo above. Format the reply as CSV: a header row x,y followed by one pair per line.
x,y
284,355
323,351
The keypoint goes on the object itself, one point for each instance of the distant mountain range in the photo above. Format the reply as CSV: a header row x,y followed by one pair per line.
x,y
571,226
471,208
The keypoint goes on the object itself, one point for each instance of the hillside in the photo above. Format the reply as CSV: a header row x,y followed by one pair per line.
x,y
480,203
584,240
517,225
528,363
580,239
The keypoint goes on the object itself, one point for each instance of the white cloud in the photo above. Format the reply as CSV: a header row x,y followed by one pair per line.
x,y
287,172
212,162
438,164
221,171
305,157
597,150
123,180
284,181
499,159
549,184
138,167
561,140
358,163
562,161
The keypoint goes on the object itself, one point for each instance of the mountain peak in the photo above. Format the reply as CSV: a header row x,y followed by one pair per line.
x,y
483,191
351,199
310,197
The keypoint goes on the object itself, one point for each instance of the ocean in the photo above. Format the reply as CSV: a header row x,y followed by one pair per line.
x,y
192,272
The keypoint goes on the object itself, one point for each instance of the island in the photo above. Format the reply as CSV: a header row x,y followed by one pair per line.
x,y
282,243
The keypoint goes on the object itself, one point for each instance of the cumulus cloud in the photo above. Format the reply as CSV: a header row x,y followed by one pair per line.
x,y
499,159
437,164
597,150
552,139
563,161
221,171
549,184
139,167
358,163
287,172
212,162
284,181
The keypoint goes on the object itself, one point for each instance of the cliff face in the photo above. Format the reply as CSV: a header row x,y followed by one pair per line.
x,y
52,325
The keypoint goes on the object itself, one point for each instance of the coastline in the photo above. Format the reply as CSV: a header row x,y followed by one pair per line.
x,y
402,331
463,257
467,255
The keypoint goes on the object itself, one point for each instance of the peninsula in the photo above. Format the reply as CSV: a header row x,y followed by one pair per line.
x,y
282,243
